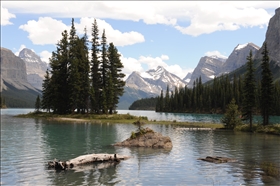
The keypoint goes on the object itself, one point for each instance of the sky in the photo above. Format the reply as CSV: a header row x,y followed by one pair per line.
x,y
172,34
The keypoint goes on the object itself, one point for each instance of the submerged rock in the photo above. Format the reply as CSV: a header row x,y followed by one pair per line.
x,y
216,159
147,138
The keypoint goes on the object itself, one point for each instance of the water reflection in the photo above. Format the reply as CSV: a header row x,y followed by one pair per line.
x,y
26,142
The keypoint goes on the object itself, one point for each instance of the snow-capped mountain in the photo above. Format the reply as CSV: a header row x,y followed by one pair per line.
x,y
15,88
188,77
35,67
238,56
208,67
148,84
154,80
214,66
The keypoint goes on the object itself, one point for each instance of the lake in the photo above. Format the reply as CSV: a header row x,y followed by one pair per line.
x,y
28,144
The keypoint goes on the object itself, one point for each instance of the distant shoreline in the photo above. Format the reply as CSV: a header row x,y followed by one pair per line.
x,y
130,119
115,118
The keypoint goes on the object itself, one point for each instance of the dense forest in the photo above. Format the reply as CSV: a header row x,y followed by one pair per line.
x,y
2,102
78,82
144,104
252,96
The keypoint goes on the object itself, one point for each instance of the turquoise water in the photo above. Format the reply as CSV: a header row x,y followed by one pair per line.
x,y
28,144
158,116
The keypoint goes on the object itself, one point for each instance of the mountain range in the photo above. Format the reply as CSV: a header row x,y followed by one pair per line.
x,y
153,81
15,88
26,71
35,67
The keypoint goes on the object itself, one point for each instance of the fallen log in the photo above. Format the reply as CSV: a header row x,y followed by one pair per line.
x,y
86,159
216,159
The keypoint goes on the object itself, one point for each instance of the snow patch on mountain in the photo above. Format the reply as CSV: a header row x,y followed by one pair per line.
x,y
241,46
154,80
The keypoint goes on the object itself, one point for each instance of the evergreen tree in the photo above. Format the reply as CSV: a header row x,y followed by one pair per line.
x,y
59,63
249,92
166,105
232,116
161,101
74,80
266,87
110,93
84,70
104,72
47,93
94,71
38,104
115,83
2,102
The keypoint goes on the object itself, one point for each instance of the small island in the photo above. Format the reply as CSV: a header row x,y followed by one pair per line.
x,y
146,137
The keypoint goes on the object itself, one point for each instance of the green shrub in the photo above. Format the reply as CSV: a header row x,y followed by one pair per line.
x,y
231,118
133,135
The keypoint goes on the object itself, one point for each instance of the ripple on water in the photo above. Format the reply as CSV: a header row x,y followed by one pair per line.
x,y
26,146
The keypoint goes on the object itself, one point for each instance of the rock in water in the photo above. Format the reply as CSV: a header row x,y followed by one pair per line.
x,y
216,159
147,138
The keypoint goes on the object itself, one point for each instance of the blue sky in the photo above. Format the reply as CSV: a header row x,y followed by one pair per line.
x,y
173,34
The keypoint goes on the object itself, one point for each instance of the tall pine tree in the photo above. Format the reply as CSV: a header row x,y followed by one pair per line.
x,y
84,69
249,91
266,87
59,63
47,93
115,83
74,80
104,73
94,71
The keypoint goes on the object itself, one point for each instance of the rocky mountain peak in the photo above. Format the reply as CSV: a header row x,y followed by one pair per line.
x,y
272,38
29,56
188,77
208,67
220,58
154,80
238,56
242,46
13,71
35,67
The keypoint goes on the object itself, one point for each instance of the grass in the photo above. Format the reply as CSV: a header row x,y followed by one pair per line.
x,y
127,118
140,131
268,129
116,118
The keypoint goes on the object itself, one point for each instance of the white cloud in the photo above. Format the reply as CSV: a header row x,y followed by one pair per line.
x,y
45,55
215,53
44,31
189,17
218,16
6,16
20,49
153,63
48,31
132,64
115,36
164,57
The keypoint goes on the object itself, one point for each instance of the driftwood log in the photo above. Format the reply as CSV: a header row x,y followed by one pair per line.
x,y
86,159
216,159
